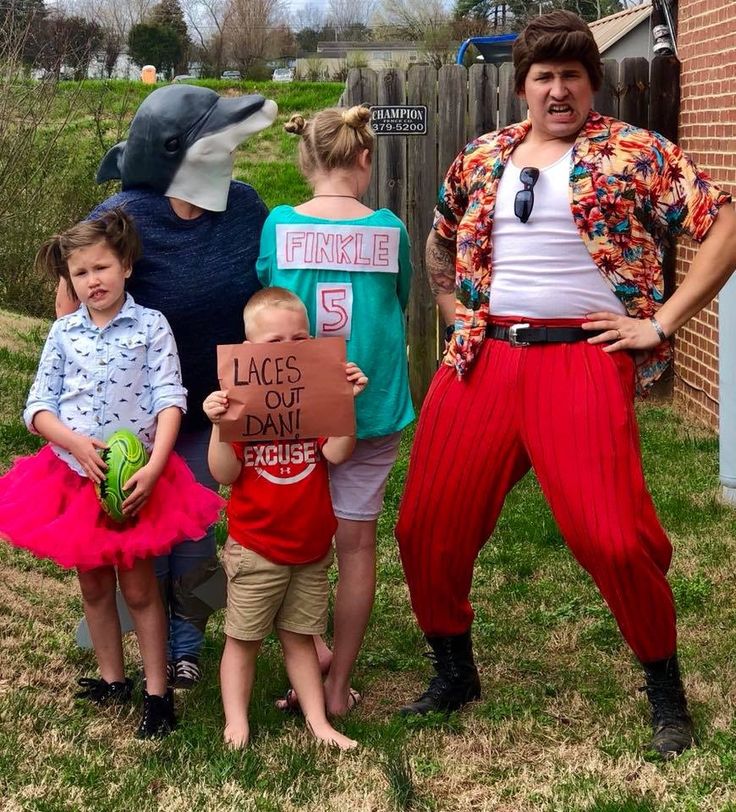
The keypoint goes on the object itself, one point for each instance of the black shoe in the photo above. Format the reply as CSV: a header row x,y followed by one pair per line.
x,y
186,672
158,716
456,682
671,722
101,692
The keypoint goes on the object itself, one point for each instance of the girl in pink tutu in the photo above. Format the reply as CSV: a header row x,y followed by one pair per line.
x,y
109,365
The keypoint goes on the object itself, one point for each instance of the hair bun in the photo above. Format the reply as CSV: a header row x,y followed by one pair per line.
x,y
357,117
296,125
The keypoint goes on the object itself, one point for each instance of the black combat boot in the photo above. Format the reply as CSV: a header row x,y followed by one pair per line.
x,y
671,722
456,681
158,716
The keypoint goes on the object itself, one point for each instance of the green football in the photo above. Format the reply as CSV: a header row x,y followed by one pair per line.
x,y
124,456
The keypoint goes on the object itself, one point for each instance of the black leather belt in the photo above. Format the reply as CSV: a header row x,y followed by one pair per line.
x,y
522,335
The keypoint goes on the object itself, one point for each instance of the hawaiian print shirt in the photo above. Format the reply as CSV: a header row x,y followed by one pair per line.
x,y
631,191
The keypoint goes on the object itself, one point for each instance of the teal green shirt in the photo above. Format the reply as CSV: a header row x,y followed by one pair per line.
x,y
353,276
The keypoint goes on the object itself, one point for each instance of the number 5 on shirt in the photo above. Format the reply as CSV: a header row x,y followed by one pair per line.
x,y
334,309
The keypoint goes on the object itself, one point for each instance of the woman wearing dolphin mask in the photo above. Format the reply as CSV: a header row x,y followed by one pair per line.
x,y
200,234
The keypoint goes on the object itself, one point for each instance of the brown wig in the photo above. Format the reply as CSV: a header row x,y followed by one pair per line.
x,y
559,36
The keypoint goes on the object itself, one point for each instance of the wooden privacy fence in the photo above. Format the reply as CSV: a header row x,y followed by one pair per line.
x,y
462,104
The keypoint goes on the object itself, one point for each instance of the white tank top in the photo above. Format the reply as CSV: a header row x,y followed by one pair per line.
x,y
542,268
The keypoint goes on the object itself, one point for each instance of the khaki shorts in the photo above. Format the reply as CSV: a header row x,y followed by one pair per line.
x,y
261,594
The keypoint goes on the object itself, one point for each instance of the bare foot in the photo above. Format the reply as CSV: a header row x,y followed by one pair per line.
x,y
327,734
341,703
290,701
236,736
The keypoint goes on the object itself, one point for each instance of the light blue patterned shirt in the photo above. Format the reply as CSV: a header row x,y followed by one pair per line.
x,y
98,380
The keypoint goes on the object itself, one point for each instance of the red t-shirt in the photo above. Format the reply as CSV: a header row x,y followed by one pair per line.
x,y
280,505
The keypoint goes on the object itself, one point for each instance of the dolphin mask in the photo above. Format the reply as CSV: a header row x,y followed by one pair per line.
x,y
182,143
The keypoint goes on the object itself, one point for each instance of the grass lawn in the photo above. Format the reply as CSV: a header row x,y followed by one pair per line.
x,y
561,725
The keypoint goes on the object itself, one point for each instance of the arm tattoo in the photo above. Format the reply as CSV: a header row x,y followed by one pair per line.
x,y
440,262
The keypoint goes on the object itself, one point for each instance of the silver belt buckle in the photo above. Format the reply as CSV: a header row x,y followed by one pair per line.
x,y
513,330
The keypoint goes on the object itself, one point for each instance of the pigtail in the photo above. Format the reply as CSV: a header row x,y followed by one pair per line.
x,y
51,261
357,117
296,125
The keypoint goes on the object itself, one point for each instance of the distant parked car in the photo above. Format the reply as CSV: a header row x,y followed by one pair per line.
x,y
283,75
183,77
232,75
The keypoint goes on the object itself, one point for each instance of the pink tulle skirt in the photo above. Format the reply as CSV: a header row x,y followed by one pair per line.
x,y
53,512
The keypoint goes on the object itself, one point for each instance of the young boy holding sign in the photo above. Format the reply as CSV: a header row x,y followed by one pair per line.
x,y
278,551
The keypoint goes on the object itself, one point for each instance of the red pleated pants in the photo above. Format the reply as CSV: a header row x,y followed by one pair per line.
x,y
567,411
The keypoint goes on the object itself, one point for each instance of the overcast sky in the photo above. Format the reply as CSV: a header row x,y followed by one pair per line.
x,y
295,4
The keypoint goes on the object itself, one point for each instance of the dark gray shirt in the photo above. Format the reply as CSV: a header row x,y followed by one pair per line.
x,y
199,273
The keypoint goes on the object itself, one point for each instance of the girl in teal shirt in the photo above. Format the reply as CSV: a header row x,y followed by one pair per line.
x,y
350,266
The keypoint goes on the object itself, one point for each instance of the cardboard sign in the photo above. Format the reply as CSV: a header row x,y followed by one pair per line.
x,y
285,390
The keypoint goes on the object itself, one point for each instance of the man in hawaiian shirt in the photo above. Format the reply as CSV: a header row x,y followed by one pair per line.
x,y
545,259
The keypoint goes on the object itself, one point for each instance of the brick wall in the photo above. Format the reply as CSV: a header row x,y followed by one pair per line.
x,y
707,48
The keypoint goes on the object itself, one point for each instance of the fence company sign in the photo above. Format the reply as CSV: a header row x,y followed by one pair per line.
x,y
399,119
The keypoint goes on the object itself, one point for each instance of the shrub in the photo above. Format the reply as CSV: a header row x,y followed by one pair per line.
x,y
315,70
340,73
259,72
51,142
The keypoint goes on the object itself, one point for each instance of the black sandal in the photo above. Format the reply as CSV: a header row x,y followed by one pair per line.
x,y
291,703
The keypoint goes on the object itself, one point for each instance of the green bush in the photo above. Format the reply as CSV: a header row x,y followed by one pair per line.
x,y
63,194
50,147
259,72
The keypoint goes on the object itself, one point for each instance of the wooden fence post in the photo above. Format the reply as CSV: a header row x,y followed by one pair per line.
x,y
664,109
606,100
664,89
482,100
362,88
391,149
452,91
511,108
634,77
663,118
421,197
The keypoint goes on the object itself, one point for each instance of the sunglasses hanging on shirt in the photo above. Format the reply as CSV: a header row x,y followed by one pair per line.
x,y
524,200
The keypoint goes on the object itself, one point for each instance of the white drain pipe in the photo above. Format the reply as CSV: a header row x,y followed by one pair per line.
x,y
727,389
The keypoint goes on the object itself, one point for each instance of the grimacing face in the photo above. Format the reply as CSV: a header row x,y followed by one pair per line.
x,y
98,278
560,96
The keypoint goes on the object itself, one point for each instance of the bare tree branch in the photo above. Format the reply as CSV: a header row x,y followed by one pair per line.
x,y
252,25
